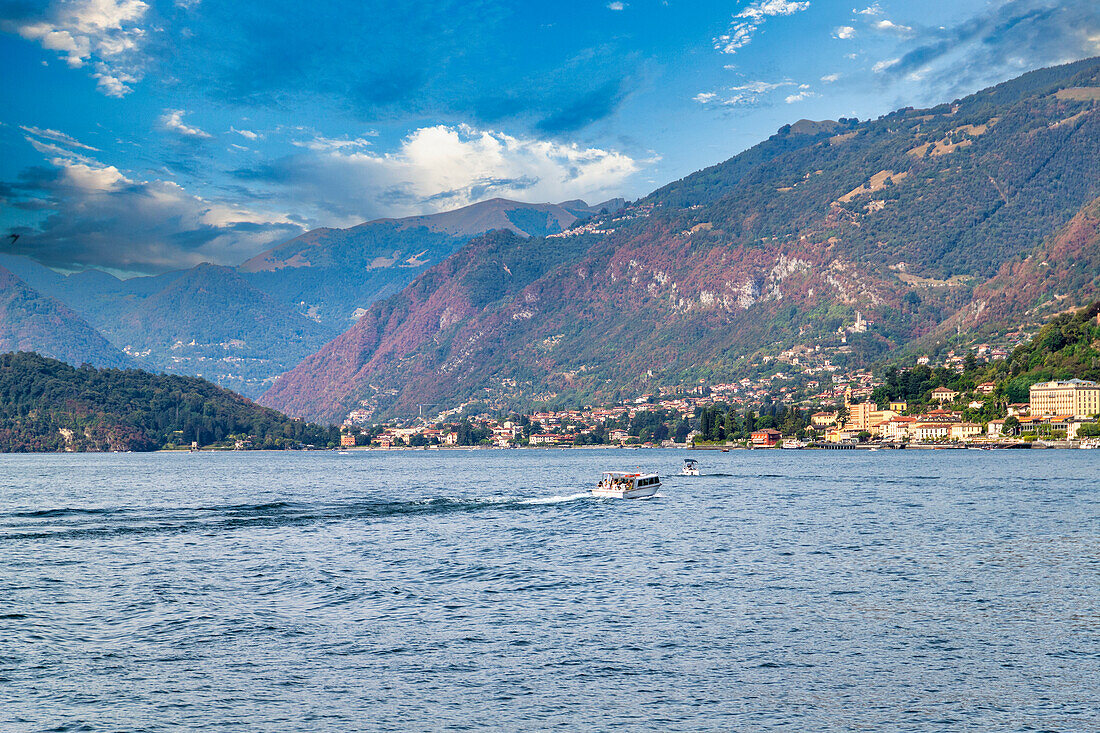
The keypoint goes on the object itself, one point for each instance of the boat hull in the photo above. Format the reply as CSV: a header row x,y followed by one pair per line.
x,y
636,493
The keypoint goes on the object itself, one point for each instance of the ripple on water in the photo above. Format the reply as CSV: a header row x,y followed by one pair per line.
x,y
424,591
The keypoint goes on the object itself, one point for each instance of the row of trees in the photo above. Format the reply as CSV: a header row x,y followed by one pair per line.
x,y
725,422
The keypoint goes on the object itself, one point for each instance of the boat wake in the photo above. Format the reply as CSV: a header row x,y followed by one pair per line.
x,y
77,522
557,499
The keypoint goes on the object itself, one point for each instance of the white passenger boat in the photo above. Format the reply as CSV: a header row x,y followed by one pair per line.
x,y
622,485
691,467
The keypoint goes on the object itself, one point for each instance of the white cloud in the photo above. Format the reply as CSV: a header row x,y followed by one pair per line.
x,y
830,78
58,137
57,154
748,21
105,33
800,96
882,66
615,6
762,87
872,9
245,133
844,32
745,95
93,179
320,142
97,215
442,167
888,25
172,120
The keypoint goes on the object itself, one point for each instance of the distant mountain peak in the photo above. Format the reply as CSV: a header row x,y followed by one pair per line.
x,y
30,321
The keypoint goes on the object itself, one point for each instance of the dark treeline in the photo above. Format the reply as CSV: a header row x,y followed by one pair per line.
x,y
723,422
47,405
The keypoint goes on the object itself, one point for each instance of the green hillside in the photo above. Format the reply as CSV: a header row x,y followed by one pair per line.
x,y
47,405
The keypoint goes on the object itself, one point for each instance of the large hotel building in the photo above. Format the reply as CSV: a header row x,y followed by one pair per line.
x,y
1075,397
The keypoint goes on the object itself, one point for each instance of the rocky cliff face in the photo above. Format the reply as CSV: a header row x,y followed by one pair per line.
x,y
899,218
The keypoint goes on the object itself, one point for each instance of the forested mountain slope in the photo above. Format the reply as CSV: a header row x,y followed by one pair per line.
x,y
241,328
210,322
30,321
900,218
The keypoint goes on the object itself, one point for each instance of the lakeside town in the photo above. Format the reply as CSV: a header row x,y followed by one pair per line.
x,y
821,407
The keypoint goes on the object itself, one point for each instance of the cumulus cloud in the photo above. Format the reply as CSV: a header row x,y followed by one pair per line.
x,y
891,26
746,23
615,6
105,35
872,9
91,213
442,167
830,78
172,121
844,32
881,66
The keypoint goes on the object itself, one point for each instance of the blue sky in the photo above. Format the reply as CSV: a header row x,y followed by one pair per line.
x,y
145,135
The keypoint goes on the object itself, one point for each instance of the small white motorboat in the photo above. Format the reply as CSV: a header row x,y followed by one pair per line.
x,y
622,485
691,467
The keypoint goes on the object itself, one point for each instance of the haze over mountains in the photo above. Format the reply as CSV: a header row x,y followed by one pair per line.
x,y
242,327
924,221
30,321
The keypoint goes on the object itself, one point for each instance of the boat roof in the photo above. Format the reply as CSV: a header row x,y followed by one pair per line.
x,y
626,474
690,460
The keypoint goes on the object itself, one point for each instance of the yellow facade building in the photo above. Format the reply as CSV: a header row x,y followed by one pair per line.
x,y
1075,397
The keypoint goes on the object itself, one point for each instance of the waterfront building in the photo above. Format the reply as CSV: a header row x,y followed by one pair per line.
x,y
896,429
766,438
618,435
1076,397
965,431
928,432
838,435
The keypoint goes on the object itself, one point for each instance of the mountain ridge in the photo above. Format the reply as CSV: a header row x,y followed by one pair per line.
x,y
320,284
31,321
900,218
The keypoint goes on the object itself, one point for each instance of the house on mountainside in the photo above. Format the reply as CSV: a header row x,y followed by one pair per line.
x,y
943,394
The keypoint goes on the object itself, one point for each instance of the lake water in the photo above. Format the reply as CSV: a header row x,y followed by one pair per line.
x,y
786,590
